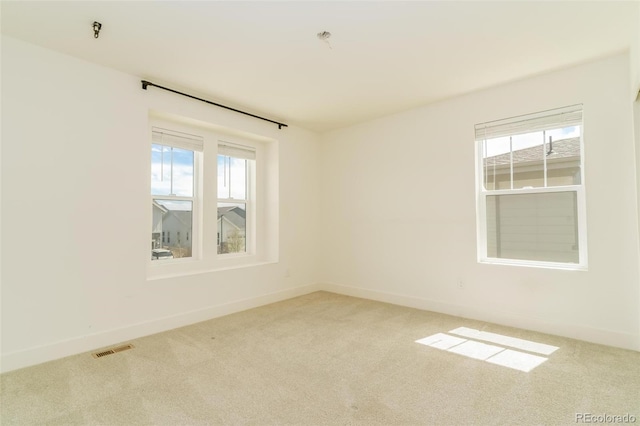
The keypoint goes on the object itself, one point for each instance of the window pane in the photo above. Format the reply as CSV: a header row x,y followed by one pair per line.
x,y
232,177
232,227
171,171
563,156
557,149
528,160
539,227
171,226
497,163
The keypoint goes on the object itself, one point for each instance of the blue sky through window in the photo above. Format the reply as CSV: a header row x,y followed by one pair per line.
x,y
232,177
171,171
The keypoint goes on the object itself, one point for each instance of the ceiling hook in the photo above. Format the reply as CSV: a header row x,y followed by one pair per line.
x,y
324,36
96,28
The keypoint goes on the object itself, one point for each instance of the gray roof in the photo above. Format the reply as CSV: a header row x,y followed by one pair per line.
x,y
183,217
563,148
159,206
234,214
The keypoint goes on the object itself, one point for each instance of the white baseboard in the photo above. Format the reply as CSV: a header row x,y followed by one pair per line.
x,y
37,355
573,331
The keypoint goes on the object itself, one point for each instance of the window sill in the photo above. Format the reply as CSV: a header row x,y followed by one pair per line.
x,y
163,271
534,264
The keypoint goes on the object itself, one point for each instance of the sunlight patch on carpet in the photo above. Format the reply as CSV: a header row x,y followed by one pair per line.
x,y
497,355
441,341
517,360
476,350
525,345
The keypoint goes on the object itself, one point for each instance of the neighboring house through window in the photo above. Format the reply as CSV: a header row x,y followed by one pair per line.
x,y
235,169
173,189
531,207
193,174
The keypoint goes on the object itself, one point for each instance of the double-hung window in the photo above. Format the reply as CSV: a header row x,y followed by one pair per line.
x,y
236,171
174,159
214,198
530,190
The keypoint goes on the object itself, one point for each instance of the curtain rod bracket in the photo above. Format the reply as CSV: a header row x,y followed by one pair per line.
x,y
146,84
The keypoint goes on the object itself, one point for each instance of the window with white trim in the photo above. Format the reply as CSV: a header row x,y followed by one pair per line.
x,y
205,188
236,165
173,190
530,190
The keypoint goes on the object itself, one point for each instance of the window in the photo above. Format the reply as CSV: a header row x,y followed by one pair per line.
x,y
235,165
173,169
531,208
214,198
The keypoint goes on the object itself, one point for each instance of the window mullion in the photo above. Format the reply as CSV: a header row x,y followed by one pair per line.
x,y
510,162
172,197
484,163
544,158
171,178
540,190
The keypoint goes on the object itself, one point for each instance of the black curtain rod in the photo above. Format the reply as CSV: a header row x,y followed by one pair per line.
x,y
146,83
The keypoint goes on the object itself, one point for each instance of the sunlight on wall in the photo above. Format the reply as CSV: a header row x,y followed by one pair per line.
x,y
498,355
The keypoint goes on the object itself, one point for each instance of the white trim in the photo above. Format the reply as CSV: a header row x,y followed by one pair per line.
x,y
541,121
490,314
39,354
196,215
247,153
538,190
532,264
261,218
205,270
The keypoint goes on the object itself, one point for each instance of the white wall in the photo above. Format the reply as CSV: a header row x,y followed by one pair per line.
x,y
636,120
75,212
394,199
635,98
398,217
635,56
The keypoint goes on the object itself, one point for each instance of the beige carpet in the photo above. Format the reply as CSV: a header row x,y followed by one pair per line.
x,y
323,359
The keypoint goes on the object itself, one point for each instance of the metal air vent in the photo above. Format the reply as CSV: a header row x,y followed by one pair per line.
x,y
112,351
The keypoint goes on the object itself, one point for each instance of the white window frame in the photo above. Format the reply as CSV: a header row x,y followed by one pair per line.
x,y
179,139
261,232
482,194
247,152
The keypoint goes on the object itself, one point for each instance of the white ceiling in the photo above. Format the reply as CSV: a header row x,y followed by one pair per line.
x,y
383,57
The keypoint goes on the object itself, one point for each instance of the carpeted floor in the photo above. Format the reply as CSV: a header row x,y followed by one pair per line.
x,y
324,359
